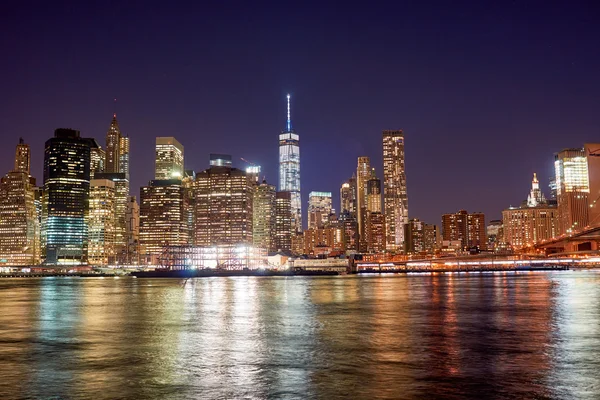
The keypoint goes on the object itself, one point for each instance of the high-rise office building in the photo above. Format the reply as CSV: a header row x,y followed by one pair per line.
x,y
124,156
350,226
113,147
414,234
467,228
348,196
121,187
572,189
19,224
133,231
65,203
23,157
536,196
163,219
168,163
223,197
289,168
97,160
395,196
363,174
101,222
430,237
319,209
264,216
283,222
374,194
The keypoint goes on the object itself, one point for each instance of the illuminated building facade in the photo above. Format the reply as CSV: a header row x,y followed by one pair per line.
x,y
289,168
350,227
163,219
283,222
468,229
431,238
319,209
494,233
572,189
264,216
168,163
395,198
133,230
97,160
19,223
363,174
531,223
375,232
101,222
374,195
414,233
121,187
348,196
113,147
592,154
228,257
65,202
318,241
223,207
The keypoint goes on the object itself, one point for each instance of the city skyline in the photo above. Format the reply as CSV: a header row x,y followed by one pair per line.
x,y
458,91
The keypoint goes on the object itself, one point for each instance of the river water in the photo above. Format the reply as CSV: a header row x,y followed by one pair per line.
x,y
493,336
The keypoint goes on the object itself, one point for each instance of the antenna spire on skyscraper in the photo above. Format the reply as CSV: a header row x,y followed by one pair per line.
x,y
289,120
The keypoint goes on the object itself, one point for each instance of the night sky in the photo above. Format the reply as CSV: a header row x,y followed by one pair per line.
x,y
484,93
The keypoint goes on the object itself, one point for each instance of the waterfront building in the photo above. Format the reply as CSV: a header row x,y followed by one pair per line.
x,y
431,238
225,256
395,198
101,222
322,241
163,220
374,194
348,196
467,228
168,163
133,230
121,187
375,232
414,234
264,216
592,154
223,207
65,202
97,160
319,209
19,223
289,168
572,189
493,231
363,174
350,228
283,222
528,224
297,242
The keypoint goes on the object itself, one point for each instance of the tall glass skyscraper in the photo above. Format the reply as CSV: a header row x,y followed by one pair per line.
x,y
65,201
289,168
395,199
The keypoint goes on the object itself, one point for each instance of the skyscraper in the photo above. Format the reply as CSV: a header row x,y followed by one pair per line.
x,y
283,221
22,157
113,146
319,209
289,168
375,232
65,203
223,197
101,222
592,153
572,189
168,163
163,219
395,196
133,230
374,194
121,188
264,215
19,225
97,160
348,196
363,174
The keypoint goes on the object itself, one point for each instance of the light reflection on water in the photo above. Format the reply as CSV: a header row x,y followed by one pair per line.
x,y
533,335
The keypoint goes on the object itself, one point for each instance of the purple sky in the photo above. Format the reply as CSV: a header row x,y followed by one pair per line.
x,y
485,93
